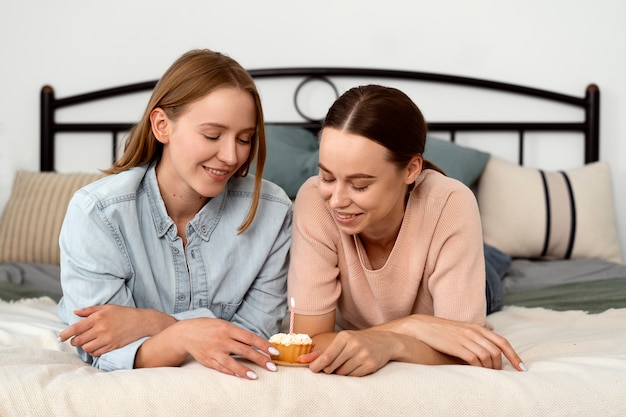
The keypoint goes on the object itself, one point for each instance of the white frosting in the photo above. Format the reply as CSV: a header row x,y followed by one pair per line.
x,y
291,339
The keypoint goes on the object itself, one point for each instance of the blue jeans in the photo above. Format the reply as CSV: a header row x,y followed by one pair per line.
x,y
496,265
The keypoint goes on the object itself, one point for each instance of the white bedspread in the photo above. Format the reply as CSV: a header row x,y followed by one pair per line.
x,y
576,361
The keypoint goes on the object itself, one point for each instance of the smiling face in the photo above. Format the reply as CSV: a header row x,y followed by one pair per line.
x,y
365,191
206,145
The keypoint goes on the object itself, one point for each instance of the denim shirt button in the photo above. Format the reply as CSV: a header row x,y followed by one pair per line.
x,y
175,251
181,297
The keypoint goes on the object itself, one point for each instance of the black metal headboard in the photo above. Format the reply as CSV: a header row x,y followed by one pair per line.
x,y
589,126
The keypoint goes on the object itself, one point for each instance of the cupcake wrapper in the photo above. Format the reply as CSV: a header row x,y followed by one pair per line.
x,y
292,352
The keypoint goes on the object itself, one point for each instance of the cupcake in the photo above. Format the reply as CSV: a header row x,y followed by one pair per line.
x,y
291,346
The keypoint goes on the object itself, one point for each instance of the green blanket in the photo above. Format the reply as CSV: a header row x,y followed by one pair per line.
x,y
592,296
10,291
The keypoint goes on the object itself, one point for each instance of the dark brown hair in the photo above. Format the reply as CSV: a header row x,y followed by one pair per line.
x,y
385,115
191,77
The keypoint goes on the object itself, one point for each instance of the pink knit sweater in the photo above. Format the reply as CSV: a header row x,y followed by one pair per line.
x,y
436,266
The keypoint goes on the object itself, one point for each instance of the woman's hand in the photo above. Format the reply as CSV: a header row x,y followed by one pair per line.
x,y
415,339
212,342
357,353
108,327
472,343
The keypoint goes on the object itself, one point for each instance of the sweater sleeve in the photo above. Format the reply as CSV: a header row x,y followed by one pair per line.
x,y
313,270
456,264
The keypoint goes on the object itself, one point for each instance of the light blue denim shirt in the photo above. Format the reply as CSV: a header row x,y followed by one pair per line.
x,y
119,246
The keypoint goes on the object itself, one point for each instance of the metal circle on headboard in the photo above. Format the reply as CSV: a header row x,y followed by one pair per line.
x,y
306,81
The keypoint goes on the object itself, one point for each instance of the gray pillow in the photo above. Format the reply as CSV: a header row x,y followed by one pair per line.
x,y
292,157
459,162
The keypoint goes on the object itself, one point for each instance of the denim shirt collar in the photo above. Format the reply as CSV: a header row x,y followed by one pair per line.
x,y
203,223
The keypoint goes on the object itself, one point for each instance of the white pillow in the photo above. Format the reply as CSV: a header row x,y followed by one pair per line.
x,y
529,213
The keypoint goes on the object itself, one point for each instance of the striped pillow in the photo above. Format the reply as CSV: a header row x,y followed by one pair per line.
x,y
32,218
529,213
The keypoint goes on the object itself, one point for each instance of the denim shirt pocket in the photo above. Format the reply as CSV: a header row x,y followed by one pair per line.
x,y
225,311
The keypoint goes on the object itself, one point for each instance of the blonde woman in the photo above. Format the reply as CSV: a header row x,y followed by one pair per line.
x,y
178,252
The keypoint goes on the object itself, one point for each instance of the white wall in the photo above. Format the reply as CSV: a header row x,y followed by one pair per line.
x,y
78,45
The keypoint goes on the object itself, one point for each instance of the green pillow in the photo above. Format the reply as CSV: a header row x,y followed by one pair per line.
x,y
293,154
292,157
459,162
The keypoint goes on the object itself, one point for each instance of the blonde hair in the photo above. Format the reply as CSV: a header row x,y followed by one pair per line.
x,y
191,77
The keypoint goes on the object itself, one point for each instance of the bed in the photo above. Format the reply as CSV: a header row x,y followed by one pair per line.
x,y
563,280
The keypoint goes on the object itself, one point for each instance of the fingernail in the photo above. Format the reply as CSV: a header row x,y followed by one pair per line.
x,y
59,339
271,366
523,367
272,350
251,375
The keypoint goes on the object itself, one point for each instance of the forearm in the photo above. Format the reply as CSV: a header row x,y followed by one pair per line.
x,y
453,342
409,326
163,349
398,347
154,321
411,350
323,340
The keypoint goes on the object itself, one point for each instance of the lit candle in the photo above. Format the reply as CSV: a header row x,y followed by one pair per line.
x,y
293,304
